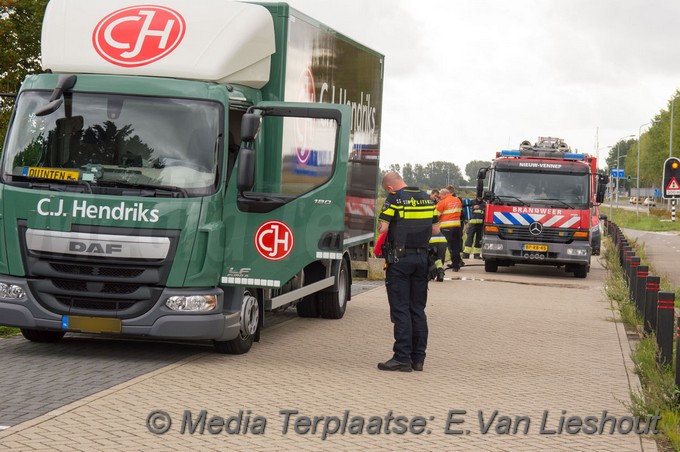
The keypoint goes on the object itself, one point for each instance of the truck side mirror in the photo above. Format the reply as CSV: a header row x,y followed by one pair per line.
x,y
245,178
481,175
250,126
602,181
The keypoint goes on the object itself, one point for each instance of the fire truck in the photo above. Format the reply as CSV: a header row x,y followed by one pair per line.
x,y
542,207
182,169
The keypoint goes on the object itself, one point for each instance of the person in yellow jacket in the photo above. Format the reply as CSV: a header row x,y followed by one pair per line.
x,y
450,209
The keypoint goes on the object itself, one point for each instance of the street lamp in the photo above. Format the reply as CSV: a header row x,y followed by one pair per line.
x,y
618,152
637,204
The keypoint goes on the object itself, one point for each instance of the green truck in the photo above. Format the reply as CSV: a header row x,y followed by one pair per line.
x,y
182,169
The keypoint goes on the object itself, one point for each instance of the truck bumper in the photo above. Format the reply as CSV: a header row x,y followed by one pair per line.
x,y
159,322
511,251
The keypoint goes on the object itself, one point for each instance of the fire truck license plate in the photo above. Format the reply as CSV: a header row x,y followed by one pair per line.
x,y
91,324
532,247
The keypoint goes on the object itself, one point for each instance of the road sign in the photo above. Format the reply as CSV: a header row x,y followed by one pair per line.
x,y
657,192
618,173
671,178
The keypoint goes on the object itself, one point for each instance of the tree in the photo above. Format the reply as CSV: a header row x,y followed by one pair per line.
x,y
20,26
473,167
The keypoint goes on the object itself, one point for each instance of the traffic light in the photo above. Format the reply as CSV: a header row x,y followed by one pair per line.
x,y
671,178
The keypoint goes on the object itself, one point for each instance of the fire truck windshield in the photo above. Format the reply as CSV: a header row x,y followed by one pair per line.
x,y
115,141
558,189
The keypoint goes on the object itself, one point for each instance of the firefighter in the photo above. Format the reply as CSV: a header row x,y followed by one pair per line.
x,y
473,242
438,245
450,210
409,218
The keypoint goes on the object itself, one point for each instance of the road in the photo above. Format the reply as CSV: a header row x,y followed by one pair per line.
x,y
526,341
662,250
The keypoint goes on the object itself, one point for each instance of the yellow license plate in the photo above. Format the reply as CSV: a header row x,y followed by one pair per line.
x,y
91,324
50,173
532,247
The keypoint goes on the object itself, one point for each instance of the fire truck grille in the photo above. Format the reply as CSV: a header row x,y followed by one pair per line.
x,y
548,235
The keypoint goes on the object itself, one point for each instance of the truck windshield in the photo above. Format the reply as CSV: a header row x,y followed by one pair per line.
x,y
108,140
559,189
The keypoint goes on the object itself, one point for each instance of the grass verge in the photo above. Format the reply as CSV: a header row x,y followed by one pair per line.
x,y
659,393
6,331
658,219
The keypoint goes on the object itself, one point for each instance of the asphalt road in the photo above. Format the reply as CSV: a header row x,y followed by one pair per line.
x,y
662,250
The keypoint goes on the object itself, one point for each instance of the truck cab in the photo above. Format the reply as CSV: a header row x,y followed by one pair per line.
x,y
181,170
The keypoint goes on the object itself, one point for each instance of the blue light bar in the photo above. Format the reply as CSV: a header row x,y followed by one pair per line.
x,y
510,153
575,156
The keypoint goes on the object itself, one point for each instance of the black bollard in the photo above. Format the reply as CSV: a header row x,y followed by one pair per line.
x,y
651,300
640,286
665,321
677,358
632,276
626,265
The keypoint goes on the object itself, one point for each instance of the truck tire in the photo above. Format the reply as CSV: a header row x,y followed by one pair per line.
x,y
308,307
581,271
250,325
42,336
332,305
490,266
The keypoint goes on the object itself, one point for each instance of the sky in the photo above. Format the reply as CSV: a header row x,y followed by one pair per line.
x,y
464,79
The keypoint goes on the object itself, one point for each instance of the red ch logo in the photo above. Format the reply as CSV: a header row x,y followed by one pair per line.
x,y
138,35
274,240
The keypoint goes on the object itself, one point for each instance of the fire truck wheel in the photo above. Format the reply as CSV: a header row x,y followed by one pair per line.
x,y
308,306
581,271
490,266
250,324
42,336
332,305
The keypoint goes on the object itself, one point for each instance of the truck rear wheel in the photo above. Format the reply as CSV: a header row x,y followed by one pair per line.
x,y
332,305
42,336
250,321
490,266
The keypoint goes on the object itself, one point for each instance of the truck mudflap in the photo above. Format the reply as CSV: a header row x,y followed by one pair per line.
x,y
159,322
515,251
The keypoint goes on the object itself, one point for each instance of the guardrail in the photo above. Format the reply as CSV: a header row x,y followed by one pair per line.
x,y
657,308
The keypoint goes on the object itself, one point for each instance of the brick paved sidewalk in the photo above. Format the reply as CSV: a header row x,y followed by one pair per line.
x,y
520,347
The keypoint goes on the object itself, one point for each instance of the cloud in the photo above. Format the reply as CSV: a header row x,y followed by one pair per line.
x,y
466,78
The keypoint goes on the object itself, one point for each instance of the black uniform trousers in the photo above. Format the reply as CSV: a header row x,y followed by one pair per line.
x,y
474,236
406,283
454,237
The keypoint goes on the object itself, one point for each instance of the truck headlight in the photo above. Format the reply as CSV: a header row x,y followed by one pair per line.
x,y
493,246
577,252
199,303
12,292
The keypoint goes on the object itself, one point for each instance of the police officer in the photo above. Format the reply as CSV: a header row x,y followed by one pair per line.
x,y
473,242
409,217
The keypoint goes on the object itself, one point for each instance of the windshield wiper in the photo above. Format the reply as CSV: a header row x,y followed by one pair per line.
x,y
500,197
162,190
569,206
59,185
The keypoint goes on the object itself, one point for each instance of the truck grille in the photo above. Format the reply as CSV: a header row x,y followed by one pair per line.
x,y
549,235
97,286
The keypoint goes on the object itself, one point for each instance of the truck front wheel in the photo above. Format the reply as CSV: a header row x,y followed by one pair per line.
x,y
250,321
42,336
490,266
581,271
332,305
